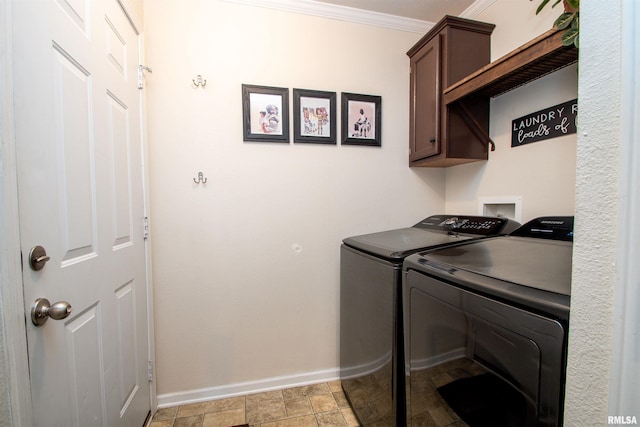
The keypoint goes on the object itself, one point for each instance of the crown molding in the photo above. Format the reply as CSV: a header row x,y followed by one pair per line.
x,y
342,13
476,8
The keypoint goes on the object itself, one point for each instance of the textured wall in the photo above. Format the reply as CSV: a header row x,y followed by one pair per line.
x,y
594,271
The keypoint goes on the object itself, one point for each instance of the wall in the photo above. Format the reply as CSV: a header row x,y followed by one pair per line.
x,y
605,141
237,307
540,174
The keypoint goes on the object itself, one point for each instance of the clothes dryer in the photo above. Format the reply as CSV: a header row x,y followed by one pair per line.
x,y
371,348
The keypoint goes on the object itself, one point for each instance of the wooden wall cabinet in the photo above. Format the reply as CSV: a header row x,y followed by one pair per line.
x,y
440,134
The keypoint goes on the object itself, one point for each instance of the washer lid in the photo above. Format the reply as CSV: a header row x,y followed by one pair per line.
x,y
397,244
535,263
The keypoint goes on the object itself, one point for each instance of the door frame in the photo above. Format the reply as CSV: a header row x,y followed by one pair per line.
x,y
14,358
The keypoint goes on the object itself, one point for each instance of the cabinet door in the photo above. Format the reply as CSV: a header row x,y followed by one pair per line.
x,y
425,105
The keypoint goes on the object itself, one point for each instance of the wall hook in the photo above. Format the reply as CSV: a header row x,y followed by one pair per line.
x,y
141,70
199,81
201,179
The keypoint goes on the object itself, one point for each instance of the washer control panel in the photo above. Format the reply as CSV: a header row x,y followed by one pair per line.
x,y
548,227
480,225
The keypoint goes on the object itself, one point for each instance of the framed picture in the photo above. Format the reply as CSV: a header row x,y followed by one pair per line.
x,y
265,113
314,116
361,119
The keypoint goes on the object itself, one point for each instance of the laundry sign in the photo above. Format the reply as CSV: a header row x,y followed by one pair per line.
x,y
549,123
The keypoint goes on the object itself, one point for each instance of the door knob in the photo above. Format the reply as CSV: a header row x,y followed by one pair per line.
x,y
42,310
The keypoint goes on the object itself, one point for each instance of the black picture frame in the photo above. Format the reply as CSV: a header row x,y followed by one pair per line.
x,y
265,113
314,116
361,119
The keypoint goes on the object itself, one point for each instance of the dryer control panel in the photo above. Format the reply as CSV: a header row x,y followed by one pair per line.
x,y
479,225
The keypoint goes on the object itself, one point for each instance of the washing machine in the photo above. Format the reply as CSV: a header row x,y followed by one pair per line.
x,y
370,307
486,325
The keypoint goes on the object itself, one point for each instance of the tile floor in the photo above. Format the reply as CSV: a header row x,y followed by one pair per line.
x,y
314,405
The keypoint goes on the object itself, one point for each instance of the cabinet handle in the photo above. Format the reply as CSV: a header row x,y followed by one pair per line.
x,y
432,140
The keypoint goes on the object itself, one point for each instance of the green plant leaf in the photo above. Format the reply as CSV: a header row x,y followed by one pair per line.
x,y
574,3
568,21
570,37
564,20
542,5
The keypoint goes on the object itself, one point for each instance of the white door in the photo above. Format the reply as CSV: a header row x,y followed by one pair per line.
x,y
80,184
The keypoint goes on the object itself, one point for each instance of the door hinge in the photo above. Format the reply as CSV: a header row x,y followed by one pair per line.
x,y
145,229
150,370
141,70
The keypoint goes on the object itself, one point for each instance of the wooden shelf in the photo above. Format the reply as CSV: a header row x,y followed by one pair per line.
x,y
533,60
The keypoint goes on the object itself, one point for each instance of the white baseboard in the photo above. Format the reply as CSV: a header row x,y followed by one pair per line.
x,y
366,368
249,387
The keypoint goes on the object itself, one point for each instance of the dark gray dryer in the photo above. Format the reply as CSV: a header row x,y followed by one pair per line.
x,y
485,327
370,326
